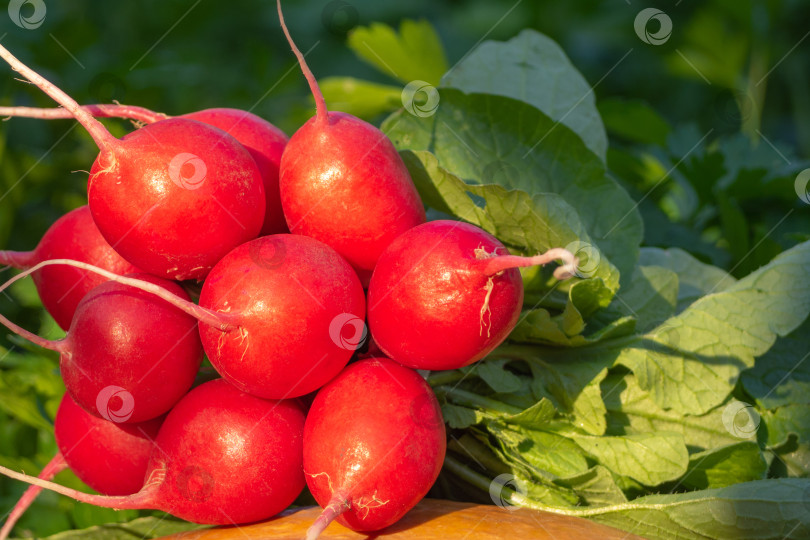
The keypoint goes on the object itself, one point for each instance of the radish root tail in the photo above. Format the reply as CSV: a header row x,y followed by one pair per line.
x,y
499,263
337,505
139,501
225,322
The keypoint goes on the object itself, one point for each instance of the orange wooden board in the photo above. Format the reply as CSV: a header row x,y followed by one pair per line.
x,y
430,520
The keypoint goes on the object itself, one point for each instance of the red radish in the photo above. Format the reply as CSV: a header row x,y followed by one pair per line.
x,y
221,457
280,315
263,140
110,458
127,356
343,182
300,312
446,293
374,443
172,197
73,236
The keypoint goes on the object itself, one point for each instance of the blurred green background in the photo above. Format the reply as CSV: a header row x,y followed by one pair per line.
x,y
736,71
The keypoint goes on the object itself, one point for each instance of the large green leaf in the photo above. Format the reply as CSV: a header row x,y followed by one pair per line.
x,y
631,411
485,139
531,67
692,361
762,510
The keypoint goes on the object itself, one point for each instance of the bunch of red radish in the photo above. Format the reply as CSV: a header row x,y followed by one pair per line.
x,y
297,243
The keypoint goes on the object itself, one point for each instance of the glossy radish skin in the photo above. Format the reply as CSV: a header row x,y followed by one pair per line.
x,y
61,288
230,457
225,457
173,197
176,196
126,338
445,294
343,182
265,142
297,307
374,443
110,458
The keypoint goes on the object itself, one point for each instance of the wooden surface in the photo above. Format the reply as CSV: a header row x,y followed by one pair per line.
x,y
430,520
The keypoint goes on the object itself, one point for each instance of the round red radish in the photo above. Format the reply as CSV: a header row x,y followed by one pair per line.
x,y
374,443
128,356
61,288
265,142
110,458
176,197
172,197
446,293
221,457
296,311
343,183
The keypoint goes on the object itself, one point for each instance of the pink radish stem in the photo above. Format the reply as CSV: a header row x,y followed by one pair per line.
x,y
500,263
96,129
17,259
54,467
139,501
224,322
320,103
99,111
337,505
